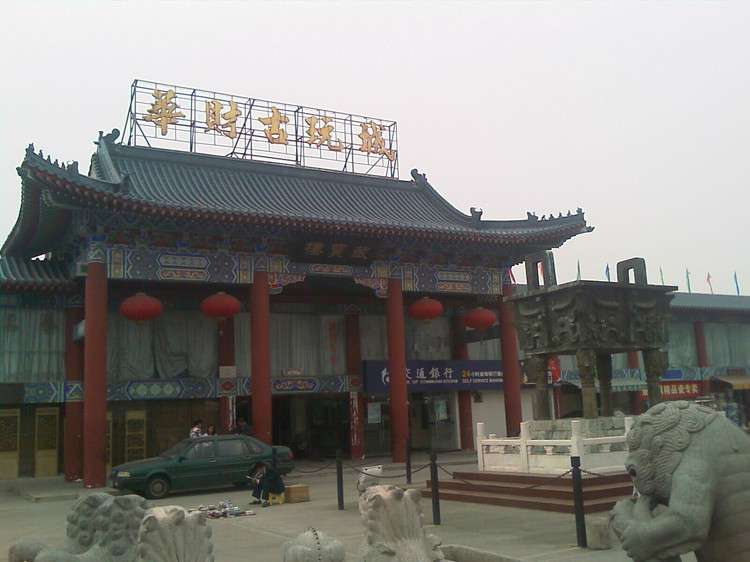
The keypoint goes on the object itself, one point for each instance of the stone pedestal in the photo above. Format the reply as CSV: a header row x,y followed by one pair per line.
x,y
655,361
604,374
586,366
536,368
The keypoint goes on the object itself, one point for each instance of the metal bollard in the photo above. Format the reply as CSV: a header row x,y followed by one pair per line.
x,y
435,487
340,480
575,463
408,460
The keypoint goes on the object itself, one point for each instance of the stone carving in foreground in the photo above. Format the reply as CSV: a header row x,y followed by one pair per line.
x,y
104,528
369,477
313,546
691,467
171,534
394,527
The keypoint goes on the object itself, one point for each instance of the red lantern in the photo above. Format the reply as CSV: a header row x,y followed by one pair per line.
x,y
220,306
479,318
141,307
425,309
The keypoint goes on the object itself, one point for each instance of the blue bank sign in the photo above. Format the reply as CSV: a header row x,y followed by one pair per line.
x,y
436,376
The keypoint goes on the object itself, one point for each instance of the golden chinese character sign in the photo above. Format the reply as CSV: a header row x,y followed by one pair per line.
x,y
176,117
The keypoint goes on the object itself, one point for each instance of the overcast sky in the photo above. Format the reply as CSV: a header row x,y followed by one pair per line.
x,y
639,112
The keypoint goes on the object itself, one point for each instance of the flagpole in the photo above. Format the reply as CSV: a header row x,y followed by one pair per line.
x,y
736,283
687,278
661,274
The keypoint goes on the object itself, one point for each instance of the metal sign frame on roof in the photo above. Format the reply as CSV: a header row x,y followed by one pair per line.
x,y
177,117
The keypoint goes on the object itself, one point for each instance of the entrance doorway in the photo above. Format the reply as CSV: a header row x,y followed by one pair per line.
x,y
312,426
433,421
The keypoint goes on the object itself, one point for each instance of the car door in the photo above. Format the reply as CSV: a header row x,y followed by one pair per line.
x,y
197,467
259,451
234,459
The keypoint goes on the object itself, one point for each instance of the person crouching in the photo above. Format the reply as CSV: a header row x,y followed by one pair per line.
x,y
265,481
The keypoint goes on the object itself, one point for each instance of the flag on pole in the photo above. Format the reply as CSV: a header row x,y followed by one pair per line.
x,y
578,273
687,278
708,280
606,273
736,283
661,274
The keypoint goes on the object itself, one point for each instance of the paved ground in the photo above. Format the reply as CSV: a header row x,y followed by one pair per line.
x,y
525,534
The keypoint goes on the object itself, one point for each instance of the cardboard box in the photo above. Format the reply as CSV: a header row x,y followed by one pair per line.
x,y
297,493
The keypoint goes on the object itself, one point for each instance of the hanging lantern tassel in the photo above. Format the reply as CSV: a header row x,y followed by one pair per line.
x,y
141,307
425,308
480,318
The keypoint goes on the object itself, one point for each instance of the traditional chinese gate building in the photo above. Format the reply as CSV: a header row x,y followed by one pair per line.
x,y
323,262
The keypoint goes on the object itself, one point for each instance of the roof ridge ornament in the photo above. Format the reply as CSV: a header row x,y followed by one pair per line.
x,y
109,138
418,178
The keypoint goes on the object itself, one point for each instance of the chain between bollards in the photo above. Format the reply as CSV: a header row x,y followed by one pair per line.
x,y
340,480
575,463
435,488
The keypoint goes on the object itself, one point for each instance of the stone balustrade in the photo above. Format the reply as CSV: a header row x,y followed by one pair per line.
x,y
545,446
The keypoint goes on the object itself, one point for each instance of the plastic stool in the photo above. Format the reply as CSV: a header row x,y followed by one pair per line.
x,y
275,499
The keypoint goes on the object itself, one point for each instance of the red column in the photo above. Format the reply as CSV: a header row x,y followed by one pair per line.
x,y
701,351
73,422
460,352
511,366
356,400
634,361
95,377
260,359
397,370
226,358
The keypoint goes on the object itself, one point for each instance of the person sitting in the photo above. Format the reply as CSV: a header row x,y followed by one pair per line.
x,y
265,481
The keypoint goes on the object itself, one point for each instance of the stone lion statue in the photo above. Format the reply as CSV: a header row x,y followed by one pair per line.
x,y
394,527
105,528
691,468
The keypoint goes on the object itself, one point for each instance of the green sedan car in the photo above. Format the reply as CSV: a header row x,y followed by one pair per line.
x,y
197,464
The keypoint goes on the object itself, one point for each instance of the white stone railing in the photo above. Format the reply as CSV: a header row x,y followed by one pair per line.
x,y
524,454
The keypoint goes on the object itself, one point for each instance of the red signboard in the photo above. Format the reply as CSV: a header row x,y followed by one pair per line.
x,y
678,390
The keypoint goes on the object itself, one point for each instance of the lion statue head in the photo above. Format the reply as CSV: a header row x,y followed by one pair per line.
x,y
656,443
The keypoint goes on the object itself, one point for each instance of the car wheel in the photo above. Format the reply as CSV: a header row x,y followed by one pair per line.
x,y
157,488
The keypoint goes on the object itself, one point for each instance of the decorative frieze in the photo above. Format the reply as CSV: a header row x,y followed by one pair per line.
x,y
151,263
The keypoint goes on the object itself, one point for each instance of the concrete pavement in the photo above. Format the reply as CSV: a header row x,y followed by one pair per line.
x,y
525,534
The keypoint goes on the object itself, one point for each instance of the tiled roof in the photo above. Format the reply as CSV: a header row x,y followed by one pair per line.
x,y
203,187
19,273
183,181
718,303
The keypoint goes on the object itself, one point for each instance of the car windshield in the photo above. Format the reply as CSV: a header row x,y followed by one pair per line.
x,y
175,450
